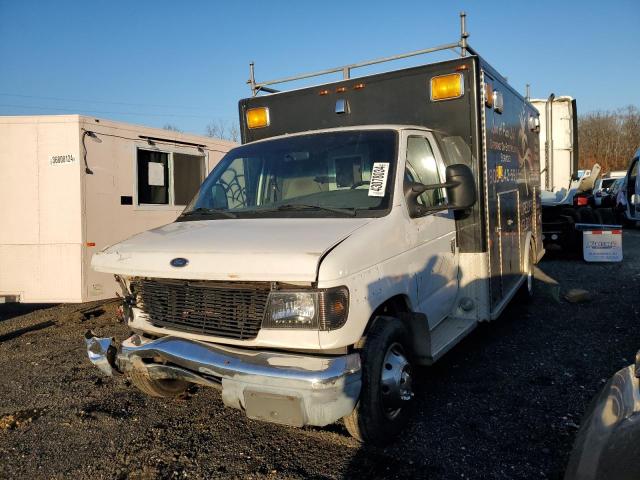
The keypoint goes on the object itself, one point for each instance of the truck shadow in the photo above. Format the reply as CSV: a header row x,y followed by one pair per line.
x,y
480,407
12,310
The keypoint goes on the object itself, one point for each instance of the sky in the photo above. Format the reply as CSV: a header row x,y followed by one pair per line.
x,y
185,63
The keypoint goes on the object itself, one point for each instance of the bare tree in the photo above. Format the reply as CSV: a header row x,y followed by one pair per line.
x,y
171,127
224,130
609,138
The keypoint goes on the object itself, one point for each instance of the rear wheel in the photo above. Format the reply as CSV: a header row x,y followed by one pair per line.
x,y
157,388
386,398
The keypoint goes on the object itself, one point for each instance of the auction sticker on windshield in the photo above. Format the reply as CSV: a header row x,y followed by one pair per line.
x,y
378,183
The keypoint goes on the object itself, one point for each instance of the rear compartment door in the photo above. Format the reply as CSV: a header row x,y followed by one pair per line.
x,y
508,239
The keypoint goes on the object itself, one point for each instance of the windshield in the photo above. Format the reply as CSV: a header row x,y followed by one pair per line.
x,y
323,174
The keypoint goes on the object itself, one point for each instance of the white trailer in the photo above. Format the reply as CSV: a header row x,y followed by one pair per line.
x,y
558,140
71,185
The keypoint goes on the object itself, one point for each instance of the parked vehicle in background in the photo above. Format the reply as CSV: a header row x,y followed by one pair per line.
x,y
364,227
628,199
602,186
606,446
609,199
569,196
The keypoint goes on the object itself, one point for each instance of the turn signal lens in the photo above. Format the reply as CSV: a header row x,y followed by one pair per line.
x,y
258,117
445,87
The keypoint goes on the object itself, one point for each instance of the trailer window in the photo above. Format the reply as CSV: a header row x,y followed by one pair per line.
x,y
421,166
168,178
153,177
188,174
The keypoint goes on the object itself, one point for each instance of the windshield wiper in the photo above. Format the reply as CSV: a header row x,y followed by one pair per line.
x,y
210,211
307,206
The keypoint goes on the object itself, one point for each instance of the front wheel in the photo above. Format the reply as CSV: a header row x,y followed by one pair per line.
x,y
386,398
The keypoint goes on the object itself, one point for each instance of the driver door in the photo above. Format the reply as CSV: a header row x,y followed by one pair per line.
x,y
434,253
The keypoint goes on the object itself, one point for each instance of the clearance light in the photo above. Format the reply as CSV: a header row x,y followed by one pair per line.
x,y
323,92
358,86
445,87
258,117
488,95
341,89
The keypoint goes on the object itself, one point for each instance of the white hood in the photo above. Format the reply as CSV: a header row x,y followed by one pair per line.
x,y
273,249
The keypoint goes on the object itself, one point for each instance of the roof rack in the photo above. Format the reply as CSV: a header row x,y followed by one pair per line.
x,y
257,87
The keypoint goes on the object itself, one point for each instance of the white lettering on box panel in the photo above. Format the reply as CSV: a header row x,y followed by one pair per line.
x,y
61,159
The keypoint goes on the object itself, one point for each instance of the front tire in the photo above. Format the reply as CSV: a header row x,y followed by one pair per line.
x,y
386,398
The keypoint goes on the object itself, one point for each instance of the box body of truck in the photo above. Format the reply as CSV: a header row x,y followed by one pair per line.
x,y
364,226
71,185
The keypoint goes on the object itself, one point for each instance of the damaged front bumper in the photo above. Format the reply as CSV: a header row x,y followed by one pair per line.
x,y
286,388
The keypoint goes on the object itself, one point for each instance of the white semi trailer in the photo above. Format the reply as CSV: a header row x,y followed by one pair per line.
x,y
567,194
558,142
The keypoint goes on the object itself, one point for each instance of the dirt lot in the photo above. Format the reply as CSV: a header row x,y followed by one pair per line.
x,y
505,403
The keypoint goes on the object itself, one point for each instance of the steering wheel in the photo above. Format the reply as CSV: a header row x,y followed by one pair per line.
x,y
359,184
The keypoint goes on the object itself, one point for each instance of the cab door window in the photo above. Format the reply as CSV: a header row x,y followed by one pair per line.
x,y
422,166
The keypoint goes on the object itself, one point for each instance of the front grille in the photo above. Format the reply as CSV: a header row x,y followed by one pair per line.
x,y
211,308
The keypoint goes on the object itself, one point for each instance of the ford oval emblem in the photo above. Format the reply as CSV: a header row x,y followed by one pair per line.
x,y
179,262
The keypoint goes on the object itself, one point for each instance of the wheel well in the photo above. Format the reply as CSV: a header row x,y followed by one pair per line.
x,y
391,307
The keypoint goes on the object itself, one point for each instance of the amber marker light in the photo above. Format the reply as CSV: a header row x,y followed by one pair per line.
x,y
258,117
338,307
445,87
341,89
488,95
358,86
323,92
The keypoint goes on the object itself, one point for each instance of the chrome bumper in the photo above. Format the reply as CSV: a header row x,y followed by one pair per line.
x,y
277,387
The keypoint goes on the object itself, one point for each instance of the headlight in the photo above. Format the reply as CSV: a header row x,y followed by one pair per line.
x,y
309,309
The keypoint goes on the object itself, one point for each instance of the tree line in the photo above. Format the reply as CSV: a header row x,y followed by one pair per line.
x,y
609,138
221,129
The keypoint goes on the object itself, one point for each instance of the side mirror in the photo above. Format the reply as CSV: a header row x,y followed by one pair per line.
x,y
461,187
461,191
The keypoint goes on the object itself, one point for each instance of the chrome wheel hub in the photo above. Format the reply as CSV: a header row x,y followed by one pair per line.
x,y
395,382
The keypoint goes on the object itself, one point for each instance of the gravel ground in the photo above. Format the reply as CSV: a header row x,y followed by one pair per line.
x,y
505,403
